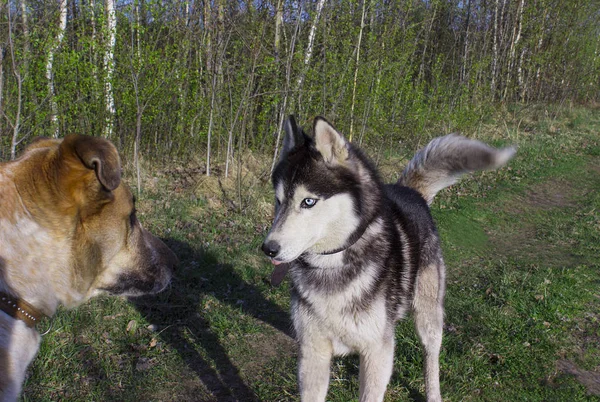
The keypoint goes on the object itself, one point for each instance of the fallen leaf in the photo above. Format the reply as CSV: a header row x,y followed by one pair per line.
x,y
131,326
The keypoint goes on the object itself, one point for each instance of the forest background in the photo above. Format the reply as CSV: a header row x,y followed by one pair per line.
x,y
208,80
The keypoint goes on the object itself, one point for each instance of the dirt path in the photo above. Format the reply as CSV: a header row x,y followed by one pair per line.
x,y
561,195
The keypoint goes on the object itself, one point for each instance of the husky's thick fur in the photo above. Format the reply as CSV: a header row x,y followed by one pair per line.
x,y
362,254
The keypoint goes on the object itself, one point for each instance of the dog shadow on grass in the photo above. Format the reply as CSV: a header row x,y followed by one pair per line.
x,y
177,316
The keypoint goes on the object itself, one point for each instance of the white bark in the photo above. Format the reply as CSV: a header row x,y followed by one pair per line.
x,y
17,124
25,22
516,37
92,7
137,11
278,25
217,75
362,26
109,66
495,51
136,144
288,74
520,82
309,47
62,26
2,50
463,73
520,65
210,123
245,99
422,67
539,47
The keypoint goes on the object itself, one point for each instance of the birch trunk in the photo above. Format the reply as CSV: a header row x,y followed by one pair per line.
x,y
286,90
362,26
422,66
17,124
520,81
137,10
537,83
62,26
463,74
24,20
136,144
278,25
309,47
210,123
516,37
2,52
109,66
244,101
217,64
207,12
494,52
92,7
180,66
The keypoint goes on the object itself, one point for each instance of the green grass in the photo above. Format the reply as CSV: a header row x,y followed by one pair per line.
x,y
522,320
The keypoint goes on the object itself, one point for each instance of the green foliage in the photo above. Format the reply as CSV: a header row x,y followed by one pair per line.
x,y
424,68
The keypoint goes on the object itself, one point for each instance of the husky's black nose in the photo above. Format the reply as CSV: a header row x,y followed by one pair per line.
x,y
270,248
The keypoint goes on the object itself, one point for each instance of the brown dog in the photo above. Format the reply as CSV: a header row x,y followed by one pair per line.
x,y
68,232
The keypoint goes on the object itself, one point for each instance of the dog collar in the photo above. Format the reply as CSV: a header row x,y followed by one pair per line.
x,y
353,238
20,310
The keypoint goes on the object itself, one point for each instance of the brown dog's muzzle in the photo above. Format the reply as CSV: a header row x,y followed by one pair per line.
x,y
150,272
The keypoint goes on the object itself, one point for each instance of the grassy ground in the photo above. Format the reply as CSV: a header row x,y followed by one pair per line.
x,y
522,305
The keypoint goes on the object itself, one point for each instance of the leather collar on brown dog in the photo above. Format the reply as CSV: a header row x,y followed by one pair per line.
x,y
20,309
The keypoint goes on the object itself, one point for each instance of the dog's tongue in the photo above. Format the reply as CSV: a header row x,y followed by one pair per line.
x,y
281,268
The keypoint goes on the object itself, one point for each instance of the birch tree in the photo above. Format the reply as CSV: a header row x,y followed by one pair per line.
x,y
278,26
92,8
62,26
109,66
16,125
25,25
309,46
426,42
409,67
494,50
516,38
2,56
216,76
360,34
463,71
288,77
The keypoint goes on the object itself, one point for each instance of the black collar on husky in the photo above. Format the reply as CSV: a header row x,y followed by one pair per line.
x,y
353,238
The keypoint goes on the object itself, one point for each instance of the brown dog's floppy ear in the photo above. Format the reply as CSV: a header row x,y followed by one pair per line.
x,y
97,154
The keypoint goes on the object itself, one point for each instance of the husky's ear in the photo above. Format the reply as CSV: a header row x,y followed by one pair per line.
x,y
329,142
294,137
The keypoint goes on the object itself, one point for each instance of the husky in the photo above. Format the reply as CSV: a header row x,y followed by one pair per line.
x,y
361,254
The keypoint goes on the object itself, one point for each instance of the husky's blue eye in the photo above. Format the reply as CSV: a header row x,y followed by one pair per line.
x,y
308,203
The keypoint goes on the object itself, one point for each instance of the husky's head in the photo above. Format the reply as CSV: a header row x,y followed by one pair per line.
x,y
324,191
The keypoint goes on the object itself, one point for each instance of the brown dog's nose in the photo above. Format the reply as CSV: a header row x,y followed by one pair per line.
x,y
271,248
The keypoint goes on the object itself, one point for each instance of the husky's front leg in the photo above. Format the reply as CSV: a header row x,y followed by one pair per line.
x,y
376,365
313,368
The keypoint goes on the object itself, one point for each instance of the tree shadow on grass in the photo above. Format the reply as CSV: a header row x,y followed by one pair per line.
x,y
177,316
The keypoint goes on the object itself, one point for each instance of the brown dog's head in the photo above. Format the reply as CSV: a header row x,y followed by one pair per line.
x,y
75,192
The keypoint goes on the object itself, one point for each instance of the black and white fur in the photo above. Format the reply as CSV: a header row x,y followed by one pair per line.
x,y
362,254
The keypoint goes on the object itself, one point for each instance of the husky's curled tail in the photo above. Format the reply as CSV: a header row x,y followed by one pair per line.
x,y
445,159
